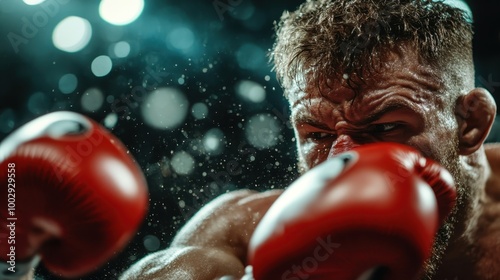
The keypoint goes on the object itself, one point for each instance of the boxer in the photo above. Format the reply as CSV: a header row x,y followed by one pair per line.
x,y
357,72
75,197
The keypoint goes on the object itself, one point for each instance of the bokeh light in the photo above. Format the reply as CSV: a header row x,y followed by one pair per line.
x,y
72,34
245,11
92,100
38,103
182,163
213,141
101,66
121,49
250,56
262,131
181,38
199,111
7,120
68,83
251,91
120,12
151,243
111,120
165,108
33,2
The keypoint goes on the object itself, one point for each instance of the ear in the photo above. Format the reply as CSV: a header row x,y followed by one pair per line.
x,y
475,112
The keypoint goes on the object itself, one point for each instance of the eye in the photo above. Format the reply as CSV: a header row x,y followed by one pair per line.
x,y
385,127
316,136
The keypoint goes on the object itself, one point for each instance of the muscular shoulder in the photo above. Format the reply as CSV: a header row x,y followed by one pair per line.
x,y
492,151
231,216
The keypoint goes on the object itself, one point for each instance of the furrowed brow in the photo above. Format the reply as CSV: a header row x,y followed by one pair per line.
x,y
307,120
373,116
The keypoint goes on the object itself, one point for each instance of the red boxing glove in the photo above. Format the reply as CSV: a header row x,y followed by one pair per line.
x,y
75,196
371,211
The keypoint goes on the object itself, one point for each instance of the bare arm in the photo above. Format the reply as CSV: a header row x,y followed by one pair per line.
x,y
212,244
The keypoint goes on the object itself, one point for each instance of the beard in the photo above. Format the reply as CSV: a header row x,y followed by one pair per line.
x,y
447,155
449,158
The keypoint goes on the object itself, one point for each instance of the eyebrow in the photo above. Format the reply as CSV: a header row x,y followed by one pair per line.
x,y
371,117
380,113
312,122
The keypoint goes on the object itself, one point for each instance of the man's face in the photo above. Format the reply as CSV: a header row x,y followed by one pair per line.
x,y
405,102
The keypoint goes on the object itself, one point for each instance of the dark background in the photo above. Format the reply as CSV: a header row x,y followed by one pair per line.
x,y
228,47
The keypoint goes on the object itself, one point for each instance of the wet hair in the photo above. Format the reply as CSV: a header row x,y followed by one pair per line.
x,y
339,39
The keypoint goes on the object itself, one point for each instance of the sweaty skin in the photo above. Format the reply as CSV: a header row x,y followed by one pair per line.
x,y
408,102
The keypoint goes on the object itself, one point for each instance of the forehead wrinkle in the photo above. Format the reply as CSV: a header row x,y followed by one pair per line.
x,y
405,66
335,93
317,111
423,86
360,113
415,86
415,77
429,78
301,109
420,87
363,108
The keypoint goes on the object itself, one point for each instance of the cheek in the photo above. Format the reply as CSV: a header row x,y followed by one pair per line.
x,y
435,145
424,145
437,135
312,154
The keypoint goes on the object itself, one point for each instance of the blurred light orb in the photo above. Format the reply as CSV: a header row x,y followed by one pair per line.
x,y
181,38
251,57
151,243
262,131
213,141
7,120
251,91
165,108
120,12
68,83
111,120
244,12
121,49
38,103
92,100
182,163
199,111
101,66
72,34
33,2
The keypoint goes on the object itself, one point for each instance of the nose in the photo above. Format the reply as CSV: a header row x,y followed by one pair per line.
x,y
342,144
